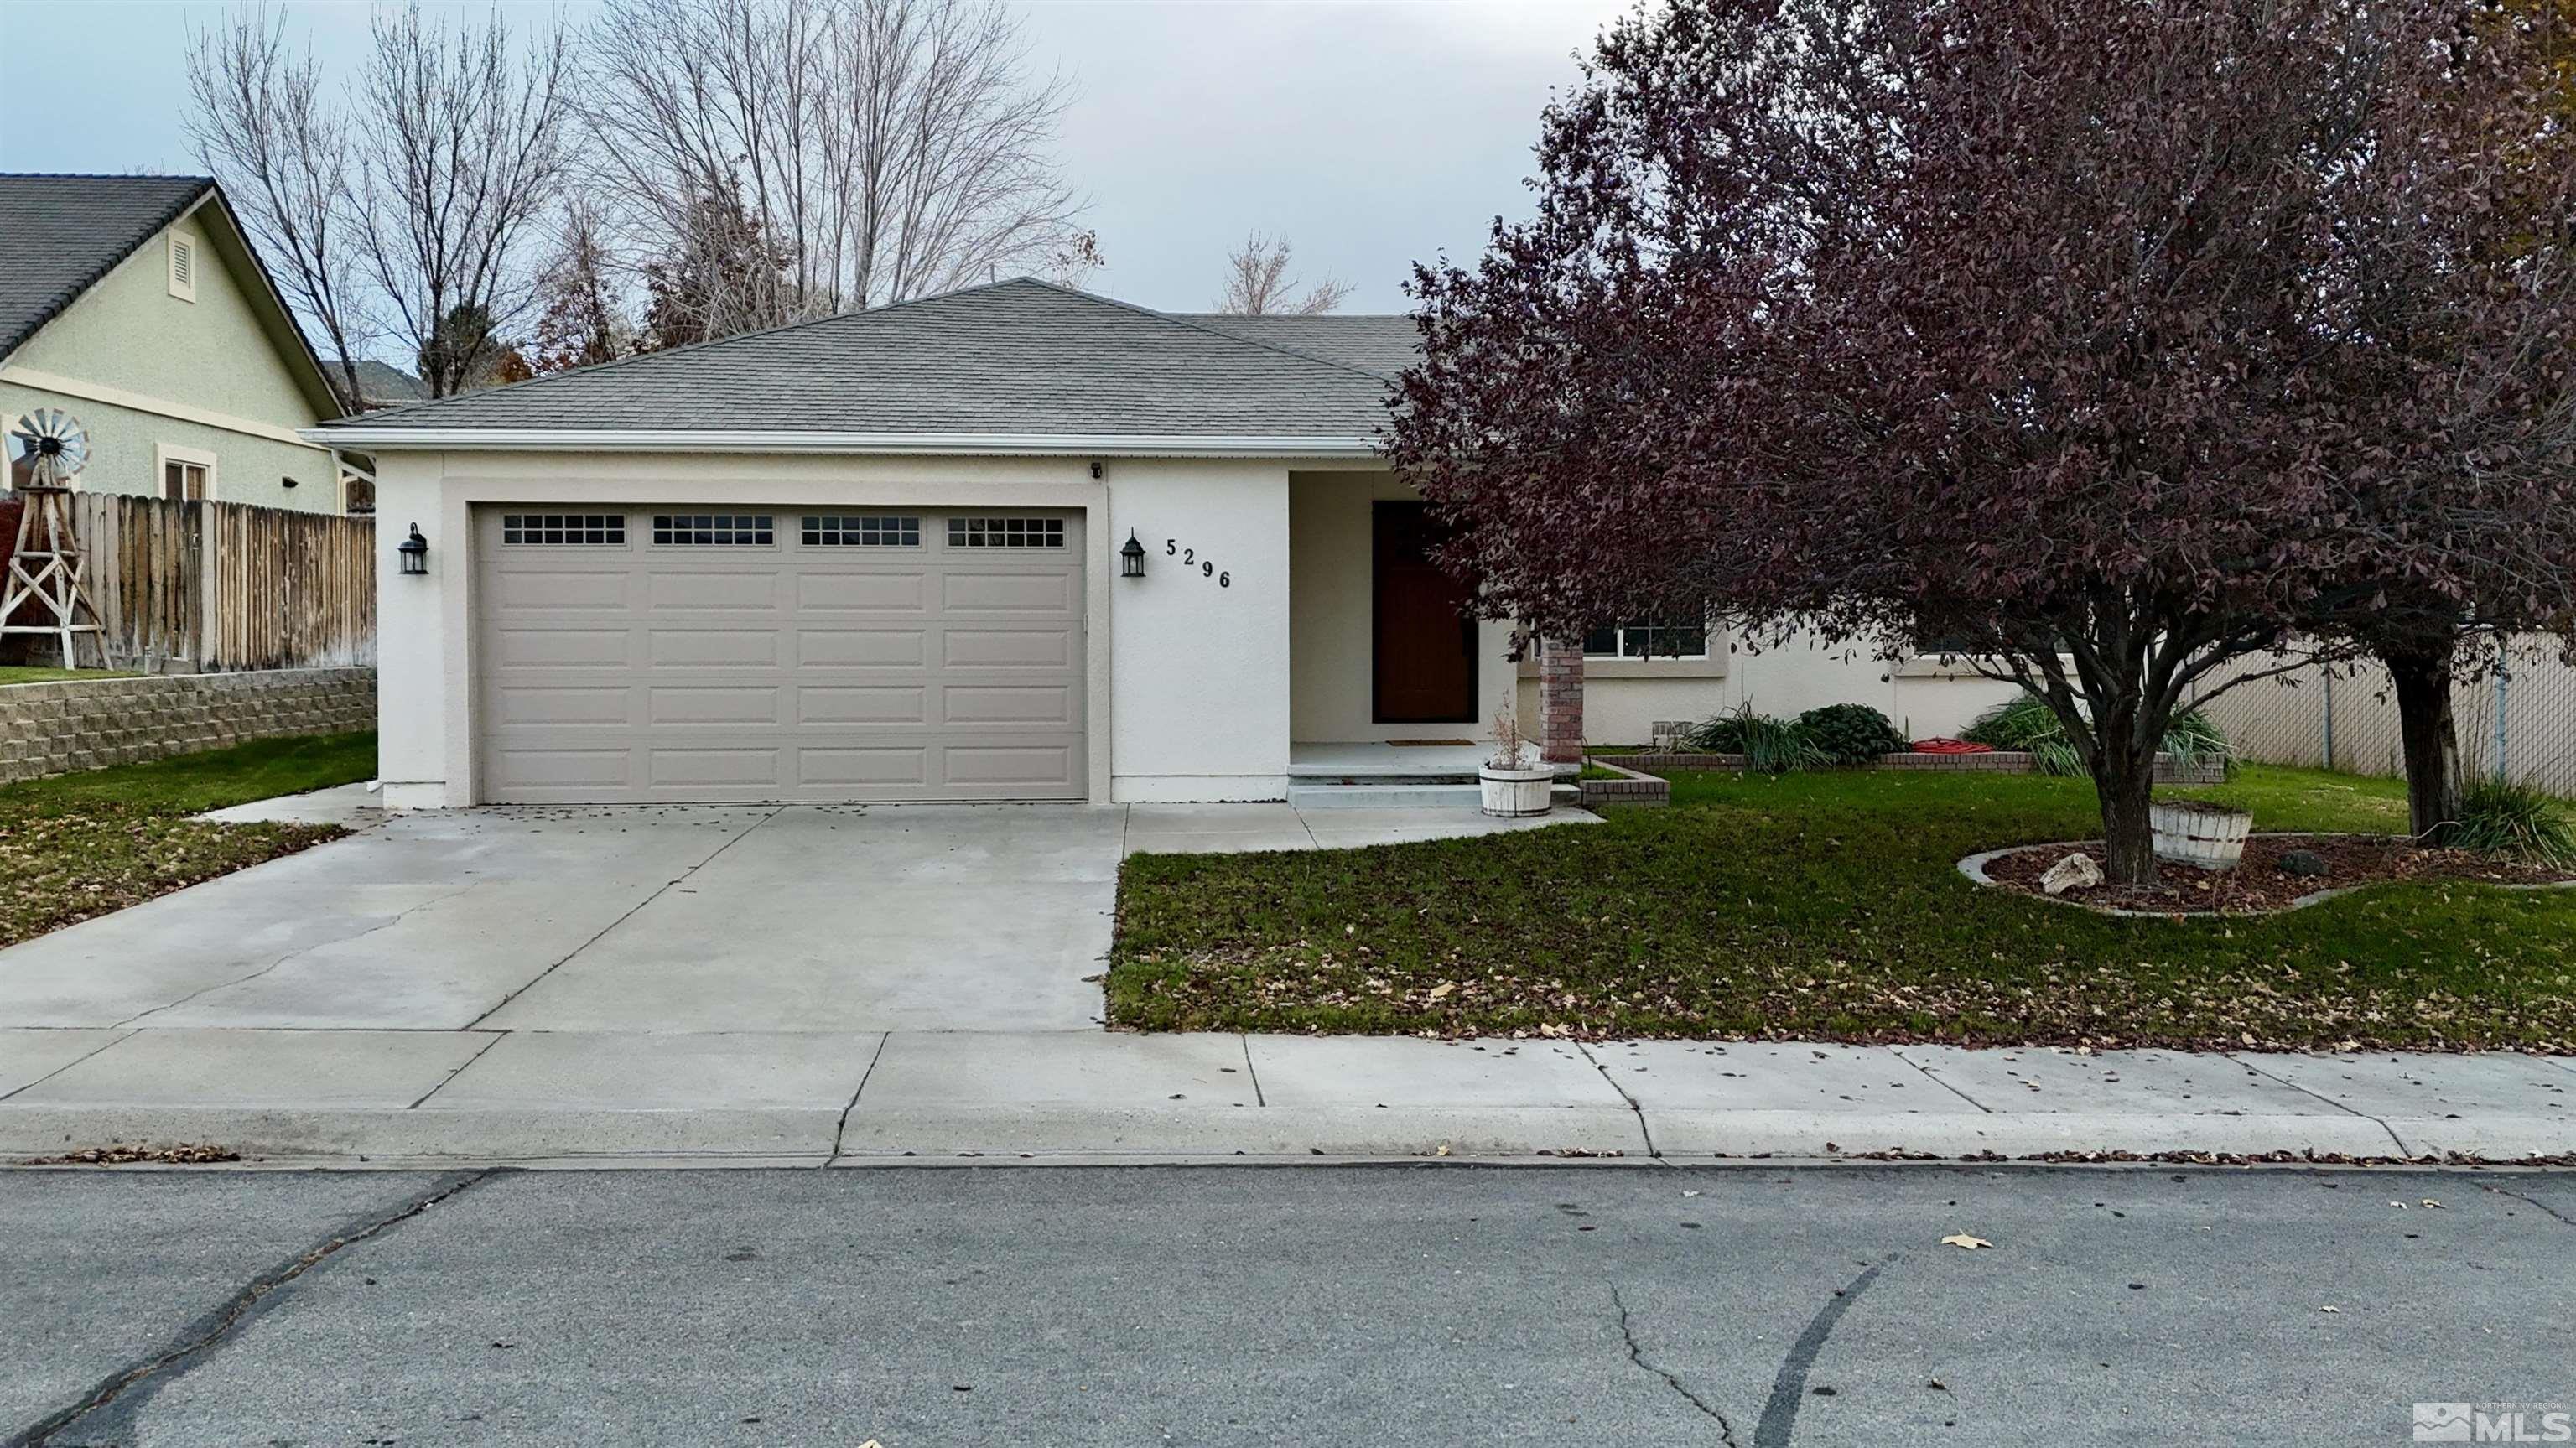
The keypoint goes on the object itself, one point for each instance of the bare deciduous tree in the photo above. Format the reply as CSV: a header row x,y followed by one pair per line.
x,y
265,132
882,149
1257,283
462,153
406,206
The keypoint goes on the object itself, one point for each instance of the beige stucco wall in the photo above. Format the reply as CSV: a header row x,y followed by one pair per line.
x,y
1329,564
1622,701
139,368
125,446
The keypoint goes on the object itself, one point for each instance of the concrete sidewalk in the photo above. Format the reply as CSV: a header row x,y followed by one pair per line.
x,y
859,1097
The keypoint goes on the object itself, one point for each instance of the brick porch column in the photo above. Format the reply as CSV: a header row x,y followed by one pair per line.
x,y
1560,701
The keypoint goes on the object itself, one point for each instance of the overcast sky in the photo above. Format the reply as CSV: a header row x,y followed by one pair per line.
x,y
1373,134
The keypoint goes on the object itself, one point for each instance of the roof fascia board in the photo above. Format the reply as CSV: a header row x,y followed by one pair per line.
x,y
915,444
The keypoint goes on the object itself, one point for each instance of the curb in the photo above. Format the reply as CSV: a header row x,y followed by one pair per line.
x,y
805,1137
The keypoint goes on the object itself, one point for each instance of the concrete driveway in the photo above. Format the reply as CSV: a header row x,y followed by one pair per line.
x,y
632,919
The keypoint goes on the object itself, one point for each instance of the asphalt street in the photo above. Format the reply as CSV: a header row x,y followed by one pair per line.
x,y
1439,1304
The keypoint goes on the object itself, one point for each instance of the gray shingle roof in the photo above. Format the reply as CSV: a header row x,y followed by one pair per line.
x,y
1379,343
381,384
1018,357
60,234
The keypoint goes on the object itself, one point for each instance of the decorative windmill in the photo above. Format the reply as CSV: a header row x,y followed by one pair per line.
x,y
45,574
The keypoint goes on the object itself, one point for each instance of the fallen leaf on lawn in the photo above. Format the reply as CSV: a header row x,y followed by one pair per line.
x,y
1443,988
1965,1242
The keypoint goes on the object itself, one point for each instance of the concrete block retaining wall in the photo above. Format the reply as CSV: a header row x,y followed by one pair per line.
x,y
91,723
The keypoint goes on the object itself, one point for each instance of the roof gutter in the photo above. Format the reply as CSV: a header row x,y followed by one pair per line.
x,y
906,444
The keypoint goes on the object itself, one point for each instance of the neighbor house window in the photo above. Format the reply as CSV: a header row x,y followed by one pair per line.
x,y
1647,640
187,476
1006,532
716,530
559,530
833,531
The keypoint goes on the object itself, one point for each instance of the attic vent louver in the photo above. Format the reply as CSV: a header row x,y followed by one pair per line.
x,y
183,266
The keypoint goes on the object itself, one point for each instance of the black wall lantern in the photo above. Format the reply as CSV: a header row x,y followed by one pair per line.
x,y
1131,557
415,553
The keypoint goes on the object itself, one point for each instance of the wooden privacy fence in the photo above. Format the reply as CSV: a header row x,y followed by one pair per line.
x,y
212,586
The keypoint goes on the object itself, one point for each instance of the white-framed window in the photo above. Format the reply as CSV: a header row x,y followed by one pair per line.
x,y
186,474
1006,532
1647,639
865,530
714,530
183,265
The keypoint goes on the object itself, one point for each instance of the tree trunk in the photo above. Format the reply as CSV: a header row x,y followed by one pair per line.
x,y
2431,740
2126,781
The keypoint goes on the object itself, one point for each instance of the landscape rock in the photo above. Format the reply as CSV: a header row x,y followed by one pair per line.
x,y
2075,872
2302,862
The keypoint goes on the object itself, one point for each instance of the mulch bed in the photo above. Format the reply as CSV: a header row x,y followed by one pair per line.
x,y
2259,885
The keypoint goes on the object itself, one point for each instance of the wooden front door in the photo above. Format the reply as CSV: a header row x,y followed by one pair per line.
x,y
1423,643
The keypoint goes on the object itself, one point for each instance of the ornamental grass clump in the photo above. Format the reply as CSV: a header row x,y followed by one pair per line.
x,y
2027,724
2515,822
1769,745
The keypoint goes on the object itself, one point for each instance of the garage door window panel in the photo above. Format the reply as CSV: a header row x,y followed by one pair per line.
x,y
564,530
714,530
1006,532
860,531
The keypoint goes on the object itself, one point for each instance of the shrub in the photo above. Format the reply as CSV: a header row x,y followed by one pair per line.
x,y
1769,745
2027,723
1850,733
2515,822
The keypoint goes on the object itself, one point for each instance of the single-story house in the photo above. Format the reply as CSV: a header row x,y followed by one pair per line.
x,y
135,304
1016,542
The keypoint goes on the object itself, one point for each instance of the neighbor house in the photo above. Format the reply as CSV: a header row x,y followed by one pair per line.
x,y
135,304
1010,543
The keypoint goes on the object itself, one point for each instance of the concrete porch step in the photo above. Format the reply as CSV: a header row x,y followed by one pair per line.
x,y
1406,794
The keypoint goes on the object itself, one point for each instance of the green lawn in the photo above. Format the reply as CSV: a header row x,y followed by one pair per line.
x,y
1829,906
27,674
79,845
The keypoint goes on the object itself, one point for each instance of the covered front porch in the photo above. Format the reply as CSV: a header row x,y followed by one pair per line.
x,y
1395,695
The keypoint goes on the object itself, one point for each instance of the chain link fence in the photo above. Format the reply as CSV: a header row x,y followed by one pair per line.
x,y
2518,723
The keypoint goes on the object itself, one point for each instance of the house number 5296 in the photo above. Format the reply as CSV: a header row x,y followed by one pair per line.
x,y
1190,559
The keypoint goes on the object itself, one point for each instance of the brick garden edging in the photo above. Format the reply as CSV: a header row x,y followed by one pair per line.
x,y
56,728
1631,787
1639,783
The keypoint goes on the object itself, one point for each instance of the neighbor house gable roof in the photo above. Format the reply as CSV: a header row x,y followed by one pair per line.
x,y
60,235
1037,365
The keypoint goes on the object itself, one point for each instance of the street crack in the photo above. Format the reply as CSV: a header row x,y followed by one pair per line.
x,y
128,1389
1637,1355
2552,1212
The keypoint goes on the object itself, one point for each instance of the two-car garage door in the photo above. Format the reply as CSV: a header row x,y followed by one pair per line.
x,y
744,654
